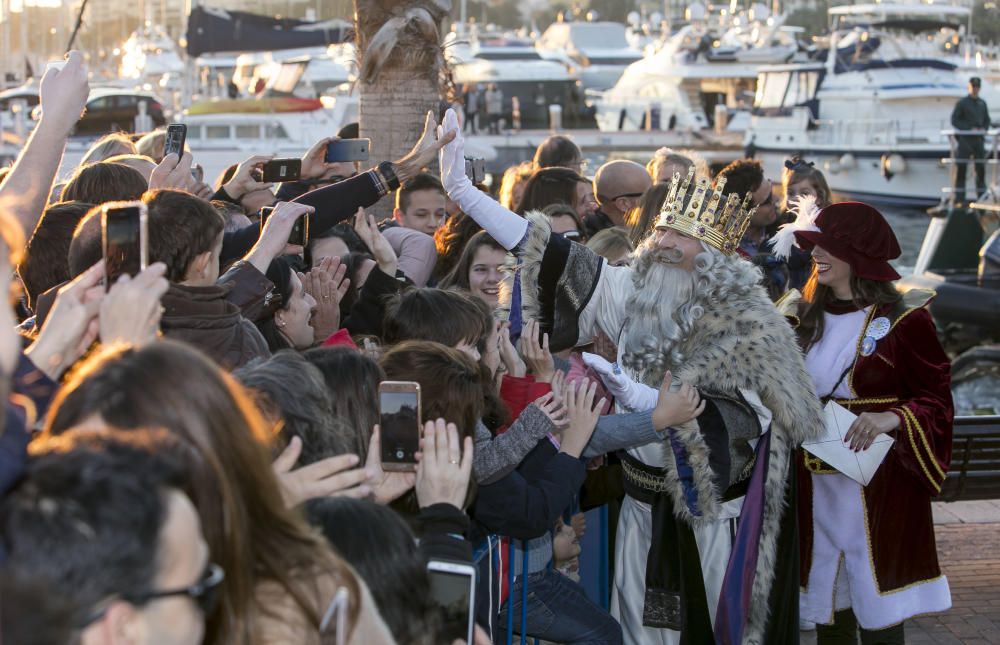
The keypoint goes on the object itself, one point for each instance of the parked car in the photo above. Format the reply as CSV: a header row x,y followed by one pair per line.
x,y
111,110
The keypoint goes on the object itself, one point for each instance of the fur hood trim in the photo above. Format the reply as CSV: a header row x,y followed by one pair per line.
x,y
527,259
745,343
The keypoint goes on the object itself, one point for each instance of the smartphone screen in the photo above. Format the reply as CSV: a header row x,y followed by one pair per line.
x,y
348,150
300,230
475,170
278,170
400,423
174,143
124,240
452,591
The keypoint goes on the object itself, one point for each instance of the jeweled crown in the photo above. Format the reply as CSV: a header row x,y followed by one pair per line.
x,y
709,216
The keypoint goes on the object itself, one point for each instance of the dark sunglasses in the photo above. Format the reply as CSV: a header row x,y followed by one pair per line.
x,y
204,593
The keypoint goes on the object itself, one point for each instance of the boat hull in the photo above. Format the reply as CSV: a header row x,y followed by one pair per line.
x,y
867,174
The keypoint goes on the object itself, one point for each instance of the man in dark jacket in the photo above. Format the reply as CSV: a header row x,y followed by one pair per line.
x,y
970,113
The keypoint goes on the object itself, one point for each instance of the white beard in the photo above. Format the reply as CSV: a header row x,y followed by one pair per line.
x,y
660,315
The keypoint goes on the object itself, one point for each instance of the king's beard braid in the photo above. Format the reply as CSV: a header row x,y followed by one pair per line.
x,y
660,316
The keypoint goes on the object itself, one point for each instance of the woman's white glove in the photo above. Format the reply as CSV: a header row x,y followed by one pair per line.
x,y
632,395
506,227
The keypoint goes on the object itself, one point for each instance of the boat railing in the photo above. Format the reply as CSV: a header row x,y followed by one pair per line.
x,y
989,164
878,132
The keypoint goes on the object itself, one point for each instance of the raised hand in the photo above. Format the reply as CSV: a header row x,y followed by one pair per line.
x,y
174,173
536,354
583,415
387,486
452,154
314,164
242,181
515,366
425,150
677,407
273,239
331,477
445,466
63,94
367,230
130,312
71,326
327,283
554,408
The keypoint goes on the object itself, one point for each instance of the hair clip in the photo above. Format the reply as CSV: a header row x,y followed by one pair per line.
x,y
798,163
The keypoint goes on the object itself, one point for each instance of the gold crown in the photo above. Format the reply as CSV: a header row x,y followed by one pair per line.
x,y
718,220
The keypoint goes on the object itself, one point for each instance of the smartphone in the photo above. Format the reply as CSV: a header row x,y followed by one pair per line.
x,y
278,170
348,150
475,170
300,231
123,237
174,143
453,586
198,173
399,409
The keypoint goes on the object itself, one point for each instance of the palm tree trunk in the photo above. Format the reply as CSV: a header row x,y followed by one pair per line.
x,y
392,116
400,58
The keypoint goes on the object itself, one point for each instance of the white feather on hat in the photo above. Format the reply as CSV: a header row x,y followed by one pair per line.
x,y
806,211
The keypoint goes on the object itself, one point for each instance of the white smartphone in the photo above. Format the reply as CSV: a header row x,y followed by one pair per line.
x,y
453,587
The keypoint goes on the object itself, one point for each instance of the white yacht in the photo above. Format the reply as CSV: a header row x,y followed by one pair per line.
x,y
595,52
710,62
512,63
872,109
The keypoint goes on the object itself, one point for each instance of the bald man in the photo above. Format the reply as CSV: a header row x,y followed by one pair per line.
x,y
618,186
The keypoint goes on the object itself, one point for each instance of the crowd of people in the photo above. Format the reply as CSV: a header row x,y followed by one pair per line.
x,y
193,453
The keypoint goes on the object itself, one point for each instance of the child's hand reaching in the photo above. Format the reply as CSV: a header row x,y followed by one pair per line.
x,y
675,408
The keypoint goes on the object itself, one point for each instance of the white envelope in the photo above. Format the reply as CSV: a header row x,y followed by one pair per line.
x,y
859,466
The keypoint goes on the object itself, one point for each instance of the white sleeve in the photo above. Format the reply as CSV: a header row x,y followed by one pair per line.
x,y
506,227
606,309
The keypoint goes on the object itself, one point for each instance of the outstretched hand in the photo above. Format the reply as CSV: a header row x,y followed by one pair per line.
x,y
452,155
676,407
63,93
386,485
445,466
330,477
425,150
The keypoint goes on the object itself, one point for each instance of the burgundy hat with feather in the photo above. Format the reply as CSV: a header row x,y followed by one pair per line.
x,y
857,234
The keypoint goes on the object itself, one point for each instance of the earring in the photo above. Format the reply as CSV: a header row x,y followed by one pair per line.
x,y
279,322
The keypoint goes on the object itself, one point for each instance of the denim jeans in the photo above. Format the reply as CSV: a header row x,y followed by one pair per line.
x,y
558,611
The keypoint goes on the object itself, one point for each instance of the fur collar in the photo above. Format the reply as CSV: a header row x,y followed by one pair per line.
x,y
745,343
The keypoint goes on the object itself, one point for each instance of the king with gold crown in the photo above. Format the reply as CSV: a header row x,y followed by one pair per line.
x,y
706,544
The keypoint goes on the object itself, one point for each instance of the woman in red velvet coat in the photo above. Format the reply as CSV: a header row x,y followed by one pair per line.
x,y
868,554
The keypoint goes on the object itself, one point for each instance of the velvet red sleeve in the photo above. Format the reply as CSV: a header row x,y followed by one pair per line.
x,y
518,392
925,408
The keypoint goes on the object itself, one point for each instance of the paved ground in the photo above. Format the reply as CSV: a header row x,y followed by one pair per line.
x,y
968,536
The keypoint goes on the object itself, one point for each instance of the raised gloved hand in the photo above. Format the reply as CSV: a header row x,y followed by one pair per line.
x,y
632,395
506,227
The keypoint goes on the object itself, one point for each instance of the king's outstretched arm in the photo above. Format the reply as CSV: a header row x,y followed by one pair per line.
x,y
563,285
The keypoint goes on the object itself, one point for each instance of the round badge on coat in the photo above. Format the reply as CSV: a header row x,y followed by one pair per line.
x,y
867,346
878,328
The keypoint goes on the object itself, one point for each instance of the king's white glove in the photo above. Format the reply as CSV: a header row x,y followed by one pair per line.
x,y
632,395
506,227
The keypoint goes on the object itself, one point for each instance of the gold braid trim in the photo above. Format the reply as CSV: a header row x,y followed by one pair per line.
x,y
870,401
916,452
923,438
816,465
